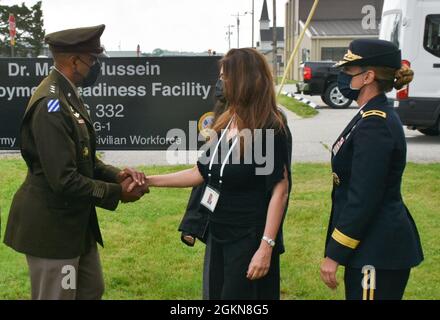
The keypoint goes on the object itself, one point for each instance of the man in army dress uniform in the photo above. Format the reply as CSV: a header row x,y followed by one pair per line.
x,y
53,219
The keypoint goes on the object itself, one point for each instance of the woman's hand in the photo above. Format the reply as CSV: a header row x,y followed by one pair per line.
x,y
260,263
329,268
180,179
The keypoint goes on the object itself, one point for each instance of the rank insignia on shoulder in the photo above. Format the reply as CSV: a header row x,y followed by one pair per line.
x,y
53,105
374,113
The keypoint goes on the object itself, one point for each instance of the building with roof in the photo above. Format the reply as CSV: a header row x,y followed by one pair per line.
x,y
335,24
266,39
122,54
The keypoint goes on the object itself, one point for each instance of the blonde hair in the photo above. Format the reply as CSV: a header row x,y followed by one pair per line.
x,y
403,77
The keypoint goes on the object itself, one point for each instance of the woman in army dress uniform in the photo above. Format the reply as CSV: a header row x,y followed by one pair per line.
x,y
371,232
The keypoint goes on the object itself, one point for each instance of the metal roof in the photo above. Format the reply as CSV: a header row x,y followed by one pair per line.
x,y
120,54
327,28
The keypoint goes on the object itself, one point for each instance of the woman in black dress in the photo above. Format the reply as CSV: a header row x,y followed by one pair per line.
x,y
245,168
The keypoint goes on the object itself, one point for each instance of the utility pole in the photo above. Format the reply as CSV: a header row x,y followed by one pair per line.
x,y
238,31
238,15
229,33
253,21
274,43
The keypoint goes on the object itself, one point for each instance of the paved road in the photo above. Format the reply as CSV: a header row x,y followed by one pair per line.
x,y
311,138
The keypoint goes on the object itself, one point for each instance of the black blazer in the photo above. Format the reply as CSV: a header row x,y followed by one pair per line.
x,y
369,223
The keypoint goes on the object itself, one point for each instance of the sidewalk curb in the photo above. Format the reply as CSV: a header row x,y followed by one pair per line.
x,y
300,99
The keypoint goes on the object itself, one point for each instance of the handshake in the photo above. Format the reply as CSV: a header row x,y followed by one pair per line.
x,y
134,185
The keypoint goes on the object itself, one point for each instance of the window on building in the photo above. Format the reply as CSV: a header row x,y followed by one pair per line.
x,y
305,55
333,53
431,39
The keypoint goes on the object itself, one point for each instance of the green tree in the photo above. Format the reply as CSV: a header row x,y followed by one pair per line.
x,y
30,31
157,52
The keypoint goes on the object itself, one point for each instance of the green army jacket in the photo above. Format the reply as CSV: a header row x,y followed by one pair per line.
x,y
53,213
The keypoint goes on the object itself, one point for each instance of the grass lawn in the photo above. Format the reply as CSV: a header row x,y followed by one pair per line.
x,y
301,109
144,258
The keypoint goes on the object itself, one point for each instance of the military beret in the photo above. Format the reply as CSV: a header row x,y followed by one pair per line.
x,y
372,52
86,40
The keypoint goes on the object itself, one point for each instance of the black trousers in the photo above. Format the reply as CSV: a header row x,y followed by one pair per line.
x,y
377,285
225,267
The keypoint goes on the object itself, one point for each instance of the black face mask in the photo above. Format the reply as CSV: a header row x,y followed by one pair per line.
x,y
93,74
219,93
344,85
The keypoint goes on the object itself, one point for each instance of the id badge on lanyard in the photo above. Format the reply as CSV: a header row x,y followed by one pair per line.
x,y
210,198
212,195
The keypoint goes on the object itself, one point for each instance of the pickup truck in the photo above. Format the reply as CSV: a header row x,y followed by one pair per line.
x,y
320,78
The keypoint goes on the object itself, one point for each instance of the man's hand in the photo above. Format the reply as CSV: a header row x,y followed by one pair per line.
x,y
134,194
137,177
329,268
260,263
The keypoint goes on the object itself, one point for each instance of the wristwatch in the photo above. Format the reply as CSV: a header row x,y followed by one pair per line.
x,y
271,242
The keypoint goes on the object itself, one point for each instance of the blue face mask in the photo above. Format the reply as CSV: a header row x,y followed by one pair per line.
x,y
344,85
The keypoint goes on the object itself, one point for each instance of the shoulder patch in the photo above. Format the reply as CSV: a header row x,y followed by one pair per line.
x,y
374,113
53,105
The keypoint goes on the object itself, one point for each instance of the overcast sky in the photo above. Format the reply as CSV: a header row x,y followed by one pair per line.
x,y
183,25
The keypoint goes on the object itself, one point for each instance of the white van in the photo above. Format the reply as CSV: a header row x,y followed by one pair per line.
x,y
414,25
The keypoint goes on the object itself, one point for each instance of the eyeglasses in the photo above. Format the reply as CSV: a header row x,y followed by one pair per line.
x,y
95,61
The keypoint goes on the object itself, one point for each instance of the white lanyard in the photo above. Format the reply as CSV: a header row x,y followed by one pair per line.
x,y
227,155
